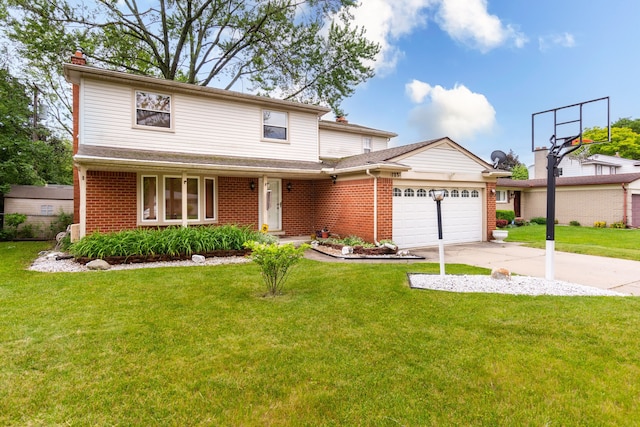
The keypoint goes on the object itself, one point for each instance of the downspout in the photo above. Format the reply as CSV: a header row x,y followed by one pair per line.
x,y
624,204
375,205
82,177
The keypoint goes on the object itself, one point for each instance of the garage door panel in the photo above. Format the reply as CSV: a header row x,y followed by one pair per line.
x,y
415,220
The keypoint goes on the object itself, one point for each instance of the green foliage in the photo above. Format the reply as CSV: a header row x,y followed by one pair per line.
x,y
618,224
60,223
506,215
539,220
600,224
519,222
171,241
627,122
275,262
351,241
574,223
24,160
624,141
501,223
11,224
519,172
309,51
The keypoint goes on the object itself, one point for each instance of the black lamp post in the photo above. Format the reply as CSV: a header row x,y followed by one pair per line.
x,y
437,196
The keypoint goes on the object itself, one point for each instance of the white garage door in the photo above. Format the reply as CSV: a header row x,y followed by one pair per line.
x,y
415,218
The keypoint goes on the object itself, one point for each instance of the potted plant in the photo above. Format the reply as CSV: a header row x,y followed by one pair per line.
x,y
500,233
325,233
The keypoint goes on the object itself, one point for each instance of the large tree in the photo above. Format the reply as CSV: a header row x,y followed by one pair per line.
x,y
303,50
28,154
624,142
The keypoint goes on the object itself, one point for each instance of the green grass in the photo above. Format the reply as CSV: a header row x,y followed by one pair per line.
x,y
609,242
348,344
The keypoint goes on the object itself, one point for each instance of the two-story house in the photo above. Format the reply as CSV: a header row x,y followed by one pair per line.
x,y
150,152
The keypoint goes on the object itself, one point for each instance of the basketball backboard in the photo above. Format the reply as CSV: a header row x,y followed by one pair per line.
x,y
567,124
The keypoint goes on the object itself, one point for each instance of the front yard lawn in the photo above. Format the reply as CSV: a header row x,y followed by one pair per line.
x,y
610,242
348,344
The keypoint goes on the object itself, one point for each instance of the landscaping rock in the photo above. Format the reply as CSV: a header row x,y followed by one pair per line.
x,y
98,264
346,250
500,274
198,259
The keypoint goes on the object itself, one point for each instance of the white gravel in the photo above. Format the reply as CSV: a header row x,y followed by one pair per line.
x,y
516,285
47,263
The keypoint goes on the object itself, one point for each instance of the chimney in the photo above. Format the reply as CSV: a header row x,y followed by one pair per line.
x,y
342,119
540,163
79,58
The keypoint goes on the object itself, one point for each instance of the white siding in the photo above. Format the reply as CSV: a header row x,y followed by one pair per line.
x,y
442,159
32,206
201,126
335,144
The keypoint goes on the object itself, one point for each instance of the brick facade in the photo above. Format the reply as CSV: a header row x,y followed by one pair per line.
x,y
298,207
346,208
111,201
491,209
237,203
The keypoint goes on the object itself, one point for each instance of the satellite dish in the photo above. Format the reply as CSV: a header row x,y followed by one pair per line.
x,y
498,157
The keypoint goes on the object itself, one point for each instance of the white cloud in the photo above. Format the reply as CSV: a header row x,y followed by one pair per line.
x,y
469,22
466,21
385,22
561,40
457,113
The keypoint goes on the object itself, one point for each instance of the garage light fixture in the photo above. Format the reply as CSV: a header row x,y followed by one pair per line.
x,y
437,196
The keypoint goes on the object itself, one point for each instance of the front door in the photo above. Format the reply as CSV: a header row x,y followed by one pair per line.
x,y
516,203
274,204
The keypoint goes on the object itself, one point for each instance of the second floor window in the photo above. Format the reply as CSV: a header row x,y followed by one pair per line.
x,y
366,144
153,110
274,125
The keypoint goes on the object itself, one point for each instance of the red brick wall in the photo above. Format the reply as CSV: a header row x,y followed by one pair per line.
x,y
111,201
237,204
491,209
346,207
298,210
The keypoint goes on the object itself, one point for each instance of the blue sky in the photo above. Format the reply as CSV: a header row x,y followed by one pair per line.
x,y
475,70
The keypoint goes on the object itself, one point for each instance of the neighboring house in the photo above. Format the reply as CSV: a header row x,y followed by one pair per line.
x,y
41,205
152,152
600,188
596,164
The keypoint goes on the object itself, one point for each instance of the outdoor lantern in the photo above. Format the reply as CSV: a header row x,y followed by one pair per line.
x,y
437,196
289,187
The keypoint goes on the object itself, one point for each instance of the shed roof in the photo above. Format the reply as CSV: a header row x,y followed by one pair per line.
x,y
50,191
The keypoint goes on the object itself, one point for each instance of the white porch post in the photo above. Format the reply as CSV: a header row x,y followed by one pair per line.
x,y
264,212
82,178
185,204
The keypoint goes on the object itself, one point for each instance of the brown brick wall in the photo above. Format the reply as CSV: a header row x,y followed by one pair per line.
x,y
298,208
346,207
491,209
111,201
237,204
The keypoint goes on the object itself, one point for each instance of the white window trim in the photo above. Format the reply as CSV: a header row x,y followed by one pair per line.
x,y
141,200
161,200
134,118
287,127
367,143
501,196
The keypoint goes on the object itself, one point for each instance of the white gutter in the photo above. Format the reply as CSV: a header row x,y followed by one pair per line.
x,y
375,205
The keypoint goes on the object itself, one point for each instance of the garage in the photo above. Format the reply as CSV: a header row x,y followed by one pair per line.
x,y
415,219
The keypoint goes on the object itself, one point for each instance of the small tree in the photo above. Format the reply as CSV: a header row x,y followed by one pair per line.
x,y
519,172
275,262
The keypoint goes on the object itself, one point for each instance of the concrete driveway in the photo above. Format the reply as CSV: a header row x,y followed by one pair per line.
x,y
606,273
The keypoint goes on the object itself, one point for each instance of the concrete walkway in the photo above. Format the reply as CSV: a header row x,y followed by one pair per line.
x,y
601,272
605,273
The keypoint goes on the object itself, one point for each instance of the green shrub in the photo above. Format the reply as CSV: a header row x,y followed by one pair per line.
x,y
574,223
519,222
275,262
28,231
506,215
600,224
168,241
618,224
11,224
539,220
62,221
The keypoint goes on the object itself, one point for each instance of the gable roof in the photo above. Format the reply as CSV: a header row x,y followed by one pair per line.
x,y
51,191
352,128
623,178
